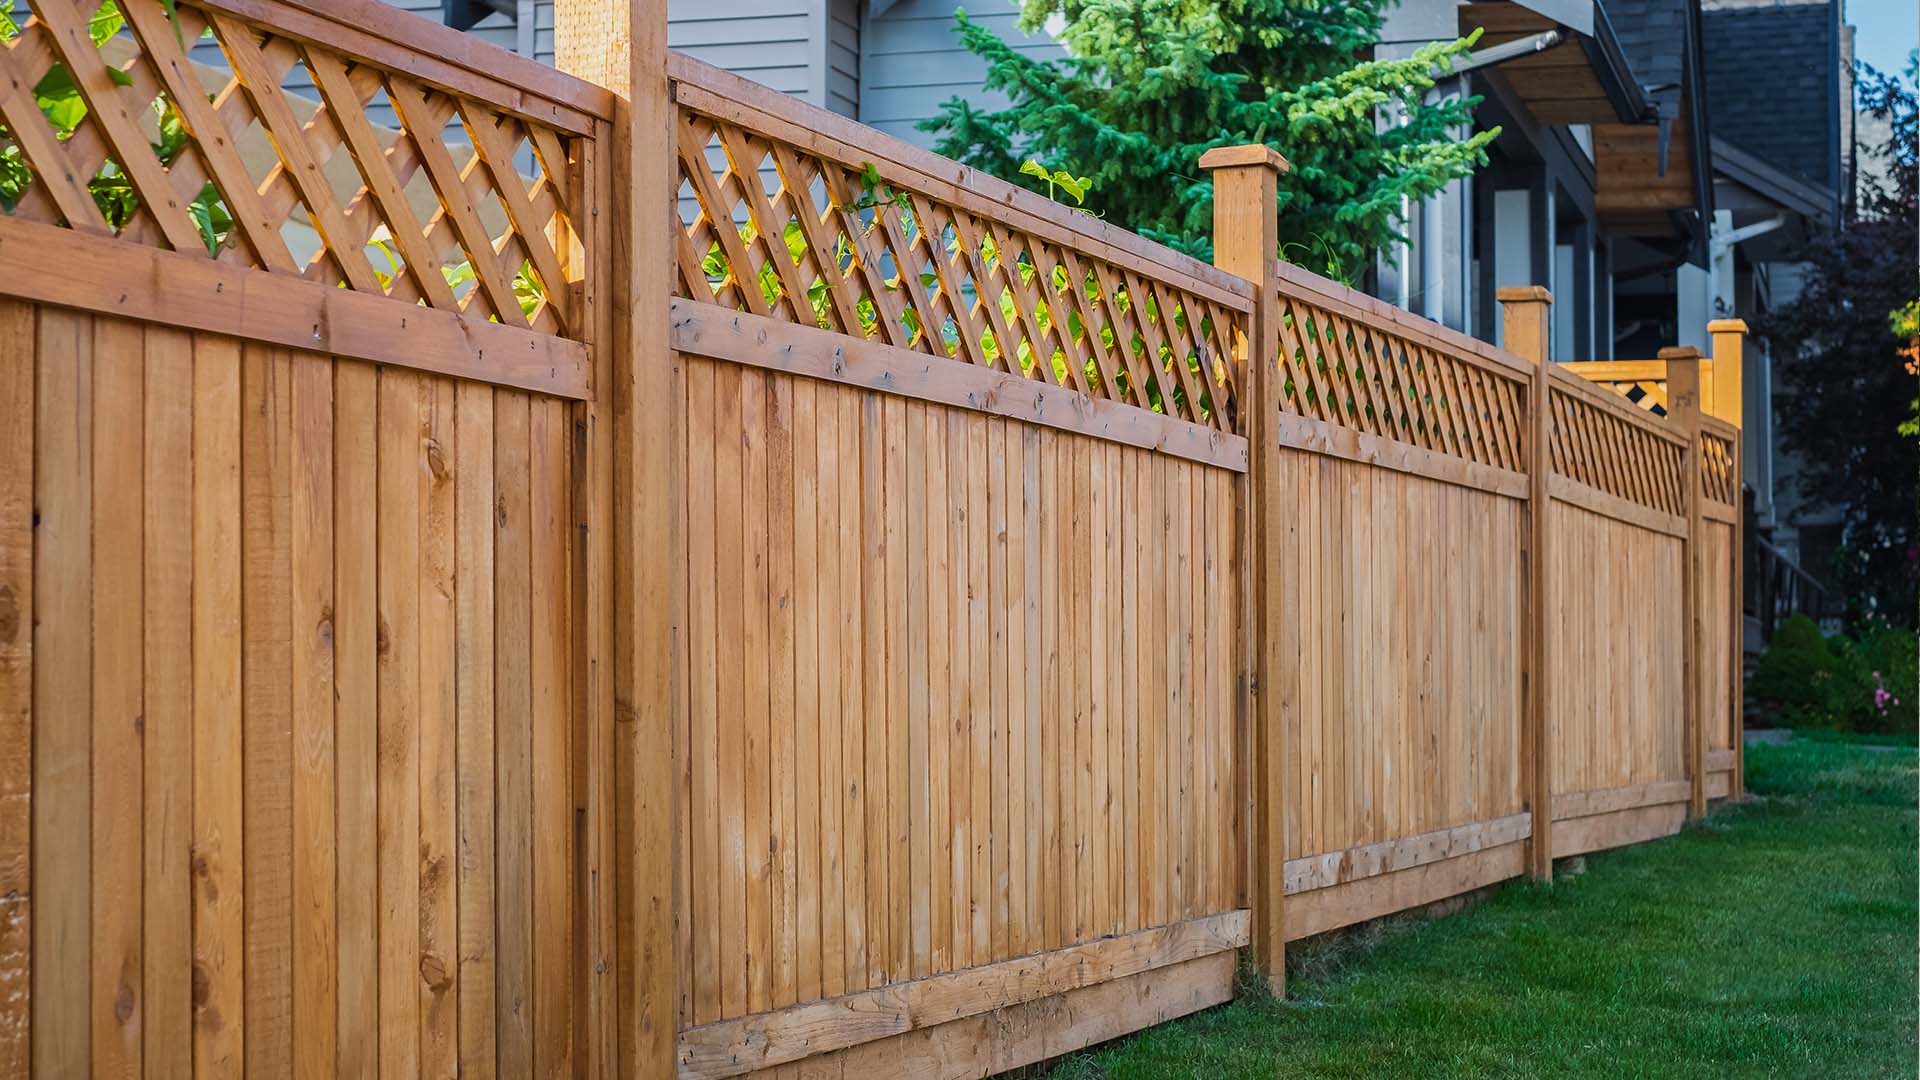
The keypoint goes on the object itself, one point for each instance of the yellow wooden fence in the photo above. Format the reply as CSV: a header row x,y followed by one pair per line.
x,y
625,573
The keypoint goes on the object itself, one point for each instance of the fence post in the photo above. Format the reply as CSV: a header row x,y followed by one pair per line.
x,y
1246,242
1683,408
1729,341
633,1026
1524,312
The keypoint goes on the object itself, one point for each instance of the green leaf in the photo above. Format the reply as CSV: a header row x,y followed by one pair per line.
x,y
59,100
105,23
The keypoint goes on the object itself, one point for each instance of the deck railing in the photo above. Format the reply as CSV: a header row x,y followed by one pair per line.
x,y
504,575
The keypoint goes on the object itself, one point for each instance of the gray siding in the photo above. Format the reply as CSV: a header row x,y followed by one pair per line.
x,y
843,57
911,61
765,40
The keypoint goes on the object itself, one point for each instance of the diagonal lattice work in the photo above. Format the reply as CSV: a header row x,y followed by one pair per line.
x,y
781,231
1355,373
1718,482
1641,382
1613,447
188,128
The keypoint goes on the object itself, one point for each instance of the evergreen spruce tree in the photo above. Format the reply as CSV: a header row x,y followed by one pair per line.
x,y
1150,85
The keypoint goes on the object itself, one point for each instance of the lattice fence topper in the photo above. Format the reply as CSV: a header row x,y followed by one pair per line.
x,y
1717,479
109,125
1366,378
787,233
1642,382
1595,446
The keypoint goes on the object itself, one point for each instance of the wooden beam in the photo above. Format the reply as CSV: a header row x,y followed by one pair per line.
x,y
1618,828
1371,860
1332,440
1574,493
1729,340
741,1045
995,1042
1321,910
622,46
437,55
1575,804
112,277
709,330
1683,411
1524,312
1245,242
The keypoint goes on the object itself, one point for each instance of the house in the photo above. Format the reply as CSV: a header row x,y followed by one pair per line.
x,y
1594,189
1783,171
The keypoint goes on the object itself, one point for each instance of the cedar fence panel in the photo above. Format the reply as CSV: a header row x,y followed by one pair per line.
x,y
906,628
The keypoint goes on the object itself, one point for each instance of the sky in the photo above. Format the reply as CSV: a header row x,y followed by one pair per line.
x,y
1888,30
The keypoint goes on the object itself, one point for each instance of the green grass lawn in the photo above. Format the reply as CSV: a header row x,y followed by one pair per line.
x,y
1777,939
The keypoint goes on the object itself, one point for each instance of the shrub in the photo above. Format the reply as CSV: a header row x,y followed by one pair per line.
x,y
1850,684
1892,657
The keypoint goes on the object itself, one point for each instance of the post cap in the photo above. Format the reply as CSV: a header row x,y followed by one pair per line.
x,y
1522,294
1227,157
1727,326
1679,352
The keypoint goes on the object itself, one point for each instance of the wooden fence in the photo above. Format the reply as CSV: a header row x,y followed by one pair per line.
x,y
892,625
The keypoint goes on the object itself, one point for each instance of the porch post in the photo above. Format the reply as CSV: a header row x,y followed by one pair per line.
x,y
622,45
1246,242
1524,313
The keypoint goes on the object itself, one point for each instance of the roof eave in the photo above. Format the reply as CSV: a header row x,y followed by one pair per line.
x,y
1610,65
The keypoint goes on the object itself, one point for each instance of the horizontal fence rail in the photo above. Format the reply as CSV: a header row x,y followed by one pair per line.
x,y
897,625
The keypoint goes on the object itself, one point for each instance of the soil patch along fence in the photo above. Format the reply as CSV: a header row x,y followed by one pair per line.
x,y
504,575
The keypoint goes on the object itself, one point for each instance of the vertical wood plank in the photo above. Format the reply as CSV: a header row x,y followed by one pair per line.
x,y
899,818
757,786
17,430
398,496
979,666
874,684
941,689
1000,850
356,650
267,689
808,748
513,857
830,523
920,794
730,739
167,732
219,1006
438,467
705,438
552,834
118,603
951,440
853,514
783,886
316,955
474,635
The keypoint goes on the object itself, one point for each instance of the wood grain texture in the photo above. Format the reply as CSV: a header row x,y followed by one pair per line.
x,y
274,669
932,498
1405,723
